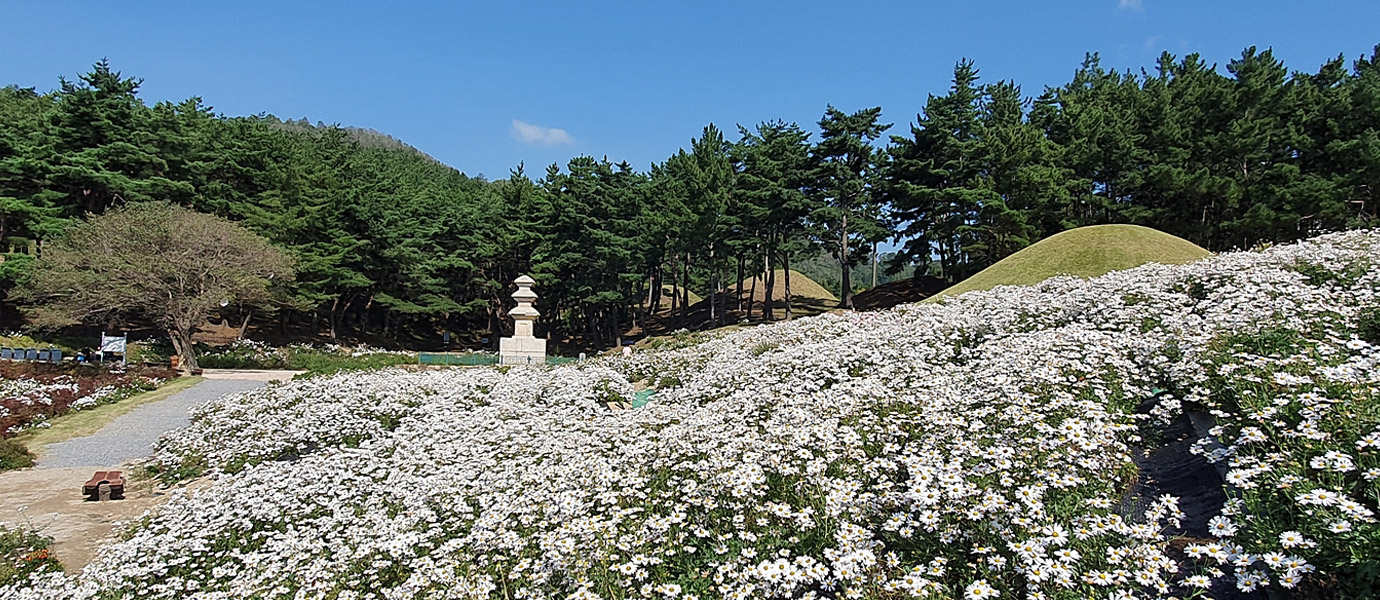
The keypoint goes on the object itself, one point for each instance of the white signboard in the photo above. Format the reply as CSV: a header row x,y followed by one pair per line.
x,y
110,343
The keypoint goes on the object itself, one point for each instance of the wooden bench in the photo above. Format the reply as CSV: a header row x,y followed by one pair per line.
x,y
113,483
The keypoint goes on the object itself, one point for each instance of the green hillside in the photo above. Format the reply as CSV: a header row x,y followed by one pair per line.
x,y
1084,252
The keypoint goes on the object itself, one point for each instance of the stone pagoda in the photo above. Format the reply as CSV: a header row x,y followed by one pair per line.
x,y
523,348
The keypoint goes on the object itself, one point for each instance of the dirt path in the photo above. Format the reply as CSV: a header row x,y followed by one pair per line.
x,y
250,374
48,496
50,501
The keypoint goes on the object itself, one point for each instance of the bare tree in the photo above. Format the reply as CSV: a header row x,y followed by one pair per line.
x,y
156,261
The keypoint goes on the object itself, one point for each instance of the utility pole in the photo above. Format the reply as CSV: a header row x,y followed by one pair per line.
x,y
874,264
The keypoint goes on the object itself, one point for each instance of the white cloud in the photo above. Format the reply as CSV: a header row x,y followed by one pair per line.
x,y
1130,5
536,134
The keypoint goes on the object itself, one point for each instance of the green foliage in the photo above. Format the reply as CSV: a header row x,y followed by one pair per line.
x,y
313,360
391,244
1282,390
845,181
159,262
24,552
190,467
1368,325
68,346
14,455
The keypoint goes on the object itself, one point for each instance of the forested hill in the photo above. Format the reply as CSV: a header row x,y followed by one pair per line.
x,y
364,136
380,234
391,244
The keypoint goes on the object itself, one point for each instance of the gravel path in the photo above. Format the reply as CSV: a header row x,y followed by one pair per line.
x,y
132,436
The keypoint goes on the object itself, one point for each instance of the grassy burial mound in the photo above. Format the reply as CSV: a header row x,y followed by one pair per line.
x,y
807,298
803,289
667,289
1005,444
1083,252
894,293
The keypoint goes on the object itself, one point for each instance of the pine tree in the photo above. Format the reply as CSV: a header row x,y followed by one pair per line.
x,y
774,171
844,183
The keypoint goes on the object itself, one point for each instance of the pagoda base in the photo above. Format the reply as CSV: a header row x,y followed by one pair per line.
x,y
522,351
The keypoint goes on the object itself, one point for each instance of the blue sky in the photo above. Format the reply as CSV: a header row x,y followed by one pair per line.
x,y
483,86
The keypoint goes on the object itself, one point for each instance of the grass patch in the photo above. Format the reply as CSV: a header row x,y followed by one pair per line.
x,y
325,362
802,288
1083,252
86,422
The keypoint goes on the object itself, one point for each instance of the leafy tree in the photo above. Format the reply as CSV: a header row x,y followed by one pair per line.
x,y
392,246
845,182
774,168
154,261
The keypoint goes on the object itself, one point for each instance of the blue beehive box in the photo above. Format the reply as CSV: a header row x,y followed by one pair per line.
x,y
31,354
6,354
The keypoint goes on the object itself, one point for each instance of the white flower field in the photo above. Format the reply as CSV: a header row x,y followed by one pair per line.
x,y
985,447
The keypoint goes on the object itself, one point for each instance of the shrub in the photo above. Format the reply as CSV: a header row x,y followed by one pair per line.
x,y
300,357
1300,426
22,553
14,455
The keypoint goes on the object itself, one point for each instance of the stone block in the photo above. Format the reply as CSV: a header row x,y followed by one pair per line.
x,y
521,351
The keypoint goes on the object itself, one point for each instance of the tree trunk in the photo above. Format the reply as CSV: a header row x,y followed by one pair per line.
x,y
654,305
675,293
363,325
338,317
639,313
713,289
874,264
330,317
846,295
752,293
617,328
685,290
182,343
768,294
738,295
245,325
786,266
493,328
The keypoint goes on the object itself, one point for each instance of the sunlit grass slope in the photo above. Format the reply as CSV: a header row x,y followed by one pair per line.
x,y
802,288
1083,252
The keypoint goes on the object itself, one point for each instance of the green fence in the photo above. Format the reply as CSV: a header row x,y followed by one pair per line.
x,y
469,359
473,359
